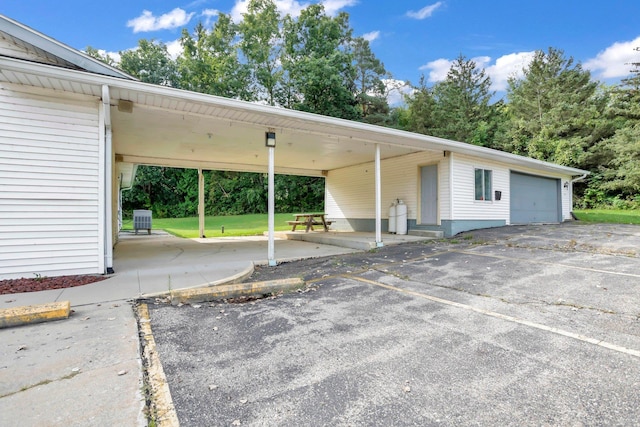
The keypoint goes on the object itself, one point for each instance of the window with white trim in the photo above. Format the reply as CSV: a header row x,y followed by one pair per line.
x,y
483,184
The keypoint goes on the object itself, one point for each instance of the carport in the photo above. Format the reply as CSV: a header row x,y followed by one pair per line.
x,y
155,125
76,129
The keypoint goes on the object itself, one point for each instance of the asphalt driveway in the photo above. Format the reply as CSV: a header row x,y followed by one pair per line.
x,y
509,326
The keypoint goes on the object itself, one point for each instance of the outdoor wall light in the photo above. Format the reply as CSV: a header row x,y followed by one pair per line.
x,y
270,139
566,185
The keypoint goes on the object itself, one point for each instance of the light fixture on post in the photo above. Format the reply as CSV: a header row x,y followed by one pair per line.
x,y
270,139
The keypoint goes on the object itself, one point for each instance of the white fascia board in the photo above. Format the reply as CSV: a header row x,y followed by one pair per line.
x,y
357,130
61,50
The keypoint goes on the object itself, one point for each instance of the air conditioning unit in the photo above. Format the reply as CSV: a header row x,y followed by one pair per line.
x,y
142,220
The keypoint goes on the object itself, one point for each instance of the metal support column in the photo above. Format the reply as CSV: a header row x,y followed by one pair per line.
x,y
271,208
379,242
201,203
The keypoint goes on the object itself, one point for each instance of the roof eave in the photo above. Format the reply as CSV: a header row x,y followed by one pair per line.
x,y
61,50
363,131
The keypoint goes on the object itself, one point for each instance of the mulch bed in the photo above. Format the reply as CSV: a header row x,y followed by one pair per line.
x,y
35,284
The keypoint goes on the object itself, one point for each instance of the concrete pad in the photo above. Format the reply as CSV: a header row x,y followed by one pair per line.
x,y
361,241
83,371
25,315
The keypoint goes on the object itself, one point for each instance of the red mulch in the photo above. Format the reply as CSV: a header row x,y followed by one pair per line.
x,y
34,284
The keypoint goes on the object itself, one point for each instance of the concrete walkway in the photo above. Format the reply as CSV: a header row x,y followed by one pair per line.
x,y
86,370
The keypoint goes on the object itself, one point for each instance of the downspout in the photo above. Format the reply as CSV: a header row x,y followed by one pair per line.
x,y
108,188
580,178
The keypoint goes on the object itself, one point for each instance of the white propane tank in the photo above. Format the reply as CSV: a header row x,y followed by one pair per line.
x,y
401,216
392,218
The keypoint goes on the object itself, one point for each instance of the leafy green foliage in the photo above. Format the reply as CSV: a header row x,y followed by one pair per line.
x,y
150,63
463,112
210,64
554,112
552,109
234,225
457,108
371,91
318,63
261,44
173,193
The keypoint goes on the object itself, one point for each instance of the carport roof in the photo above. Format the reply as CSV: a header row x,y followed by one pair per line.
x,y
166,126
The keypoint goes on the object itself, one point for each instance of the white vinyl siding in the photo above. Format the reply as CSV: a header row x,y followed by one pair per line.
x,y
49,186
350,192
465,207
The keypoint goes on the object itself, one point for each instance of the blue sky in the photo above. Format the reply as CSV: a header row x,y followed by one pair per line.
x,y
411,37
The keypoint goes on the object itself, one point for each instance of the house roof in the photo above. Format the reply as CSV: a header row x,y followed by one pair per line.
x,y
159,125
36,46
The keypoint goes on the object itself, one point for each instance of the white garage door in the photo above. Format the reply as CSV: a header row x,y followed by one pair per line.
x,y
534,199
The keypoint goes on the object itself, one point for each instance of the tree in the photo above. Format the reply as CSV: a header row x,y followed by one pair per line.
x,y
320,75
619,154
371,92
97,54
421,106
462,110
261,44
552,109
209,62
150,62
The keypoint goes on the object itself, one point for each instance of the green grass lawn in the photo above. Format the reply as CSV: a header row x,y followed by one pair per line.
x,y
609,216
234,225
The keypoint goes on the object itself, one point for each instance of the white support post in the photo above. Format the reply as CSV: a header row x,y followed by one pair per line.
x,y
379,242
201,204
271,208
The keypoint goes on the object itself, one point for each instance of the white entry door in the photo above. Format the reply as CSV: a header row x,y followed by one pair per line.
x,y
429,194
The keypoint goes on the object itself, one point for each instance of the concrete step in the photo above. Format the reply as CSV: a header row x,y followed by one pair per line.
x,y
427,233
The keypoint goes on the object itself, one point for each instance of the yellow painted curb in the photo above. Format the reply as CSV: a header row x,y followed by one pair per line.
x,y
213,293
25,315
161,409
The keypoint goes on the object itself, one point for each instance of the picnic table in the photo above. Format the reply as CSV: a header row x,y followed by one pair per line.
x,y
309,220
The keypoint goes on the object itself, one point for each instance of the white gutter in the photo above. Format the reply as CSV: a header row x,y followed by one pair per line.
x,y
580,178
108,187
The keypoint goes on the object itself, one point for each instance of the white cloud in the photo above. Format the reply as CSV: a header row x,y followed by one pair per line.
x,y
510,65
332,7
373,35
114,56
209,15
148,22
292,7
174,48
425,12
438,69
506,66
614,61
396,90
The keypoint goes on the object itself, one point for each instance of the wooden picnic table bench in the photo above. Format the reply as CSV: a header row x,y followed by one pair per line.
x,y
309,220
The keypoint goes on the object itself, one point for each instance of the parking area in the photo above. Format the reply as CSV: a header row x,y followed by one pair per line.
x,y
536,325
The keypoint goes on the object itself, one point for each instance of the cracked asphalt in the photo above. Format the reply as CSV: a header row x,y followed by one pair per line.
x,y
531,325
